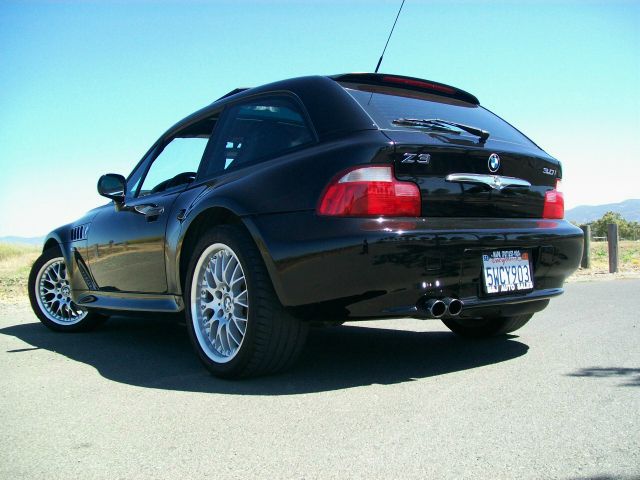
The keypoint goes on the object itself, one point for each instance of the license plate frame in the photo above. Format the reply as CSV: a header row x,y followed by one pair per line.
x,y
507,271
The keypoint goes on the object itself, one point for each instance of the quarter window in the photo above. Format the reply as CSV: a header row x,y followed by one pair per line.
x,y
257,131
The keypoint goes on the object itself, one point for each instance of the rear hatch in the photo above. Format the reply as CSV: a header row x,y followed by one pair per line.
x,y
460,171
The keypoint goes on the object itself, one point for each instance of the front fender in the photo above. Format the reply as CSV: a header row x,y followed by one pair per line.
x,y
57,237
71,239
60,237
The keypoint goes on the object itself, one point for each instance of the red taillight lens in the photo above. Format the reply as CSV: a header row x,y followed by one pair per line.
x,y
369,191
554,203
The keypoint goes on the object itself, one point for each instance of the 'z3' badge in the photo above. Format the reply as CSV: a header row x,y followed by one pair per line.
x,y
423,158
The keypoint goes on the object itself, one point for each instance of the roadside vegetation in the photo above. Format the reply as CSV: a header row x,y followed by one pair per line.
x,y
15,262
629,256
626,230
629,245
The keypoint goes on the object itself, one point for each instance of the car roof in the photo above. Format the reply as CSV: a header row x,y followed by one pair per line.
x,y
331,109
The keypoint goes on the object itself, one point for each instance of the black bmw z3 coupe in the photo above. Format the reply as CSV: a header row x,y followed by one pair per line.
x,y
323,198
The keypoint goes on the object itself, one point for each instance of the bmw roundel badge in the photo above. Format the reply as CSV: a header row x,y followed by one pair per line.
x,y
494,162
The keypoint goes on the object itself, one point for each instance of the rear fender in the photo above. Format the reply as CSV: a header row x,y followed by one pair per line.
x,y
225,210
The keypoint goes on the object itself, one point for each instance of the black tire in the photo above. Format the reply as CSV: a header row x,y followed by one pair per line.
x,y
486,327
273,339
90,321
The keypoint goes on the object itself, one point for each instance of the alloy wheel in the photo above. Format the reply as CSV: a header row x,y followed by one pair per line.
x,y
219,303
53,294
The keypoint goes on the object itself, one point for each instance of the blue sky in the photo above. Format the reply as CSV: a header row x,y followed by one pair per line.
x,y
86,87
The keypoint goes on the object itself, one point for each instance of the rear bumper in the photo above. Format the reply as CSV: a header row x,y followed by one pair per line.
x,y
371,268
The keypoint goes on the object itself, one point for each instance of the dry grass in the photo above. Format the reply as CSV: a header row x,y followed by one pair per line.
x,y
15,263
629,261
629,255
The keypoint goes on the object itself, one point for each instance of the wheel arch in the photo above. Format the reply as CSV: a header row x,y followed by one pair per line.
x,y
210,217
50,242
56,239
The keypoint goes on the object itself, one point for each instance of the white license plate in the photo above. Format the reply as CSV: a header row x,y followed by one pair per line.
x,y
507,271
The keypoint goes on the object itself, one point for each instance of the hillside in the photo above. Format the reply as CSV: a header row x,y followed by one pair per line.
x,y
13,240
629,209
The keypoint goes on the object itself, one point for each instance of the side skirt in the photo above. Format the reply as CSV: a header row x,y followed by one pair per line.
x,y
132,302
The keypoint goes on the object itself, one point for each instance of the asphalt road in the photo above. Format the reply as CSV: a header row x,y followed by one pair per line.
x,y
392,399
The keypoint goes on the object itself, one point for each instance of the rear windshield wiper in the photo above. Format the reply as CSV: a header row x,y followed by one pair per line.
x,y
443,126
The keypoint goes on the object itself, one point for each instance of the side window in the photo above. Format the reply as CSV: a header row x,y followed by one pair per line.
x,y
256,131
177,163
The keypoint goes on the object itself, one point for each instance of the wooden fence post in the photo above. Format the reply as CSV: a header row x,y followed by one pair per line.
x,y
612,240
586,252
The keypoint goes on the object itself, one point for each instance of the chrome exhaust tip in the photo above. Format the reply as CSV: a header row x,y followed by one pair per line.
x,y
454,306
436,308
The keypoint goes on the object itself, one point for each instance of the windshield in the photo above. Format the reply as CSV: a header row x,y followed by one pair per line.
x,y
385,104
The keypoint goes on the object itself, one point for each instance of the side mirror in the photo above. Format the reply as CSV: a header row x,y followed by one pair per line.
x,y
113,186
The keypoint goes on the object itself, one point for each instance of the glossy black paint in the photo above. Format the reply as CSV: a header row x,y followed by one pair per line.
x,y
134,253
387,267
446,199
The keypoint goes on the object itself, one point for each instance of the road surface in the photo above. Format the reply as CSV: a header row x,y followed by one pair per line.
x,y
388,399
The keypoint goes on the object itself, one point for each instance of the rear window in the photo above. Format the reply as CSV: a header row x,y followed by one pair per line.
x,y
386,104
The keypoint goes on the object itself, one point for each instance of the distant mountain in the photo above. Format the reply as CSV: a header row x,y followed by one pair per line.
x,y
629,209
22,240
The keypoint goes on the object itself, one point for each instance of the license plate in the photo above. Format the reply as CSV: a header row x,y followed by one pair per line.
x,y
507,271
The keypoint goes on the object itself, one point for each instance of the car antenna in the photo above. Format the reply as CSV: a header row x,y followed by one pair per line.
x,y
390,33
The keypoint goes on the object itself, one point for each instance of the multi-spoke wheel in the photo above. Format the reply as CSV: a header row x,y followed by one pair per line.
x,y
219,303
50,295
236,323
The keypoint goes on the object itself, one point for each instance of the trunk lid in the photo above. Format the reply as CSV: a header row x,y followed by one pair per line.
x,y
456,180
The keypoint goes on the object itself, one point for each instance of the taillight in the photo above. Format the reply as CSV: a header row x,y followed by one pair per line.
x,y
369,191
554,202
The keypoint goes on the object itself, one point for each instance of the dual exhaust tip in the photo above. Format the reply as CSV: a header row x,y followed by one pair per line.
x,y
436,308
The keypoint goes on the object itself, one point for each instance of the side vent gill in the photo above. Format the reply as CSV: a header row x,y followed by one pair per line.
x,y
79,233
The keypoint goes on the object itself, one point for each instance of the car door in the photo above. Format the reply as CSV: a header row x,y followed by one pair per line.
x,y
127,242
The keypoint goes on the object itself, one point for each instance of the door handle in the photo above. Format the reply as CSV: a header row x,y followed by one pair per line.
x,y
150,211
